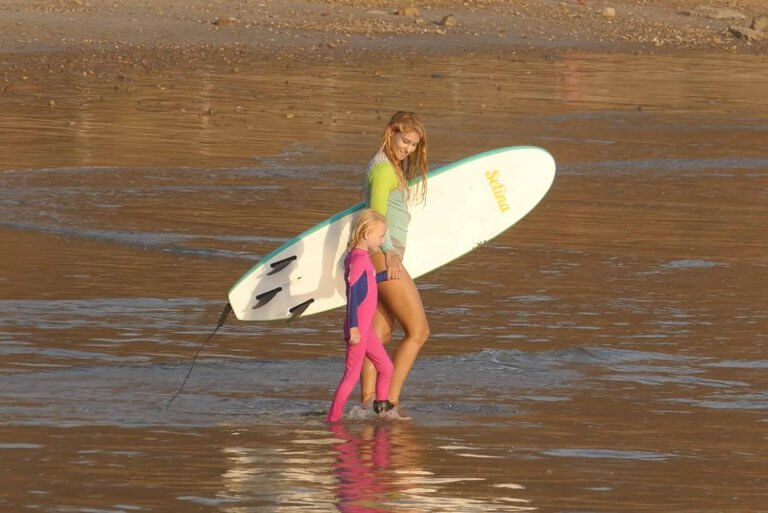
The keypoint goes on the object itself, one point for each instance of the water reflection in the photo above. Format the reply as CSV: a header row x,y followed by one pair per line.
x,y
205,115
361,462
382,466
363,467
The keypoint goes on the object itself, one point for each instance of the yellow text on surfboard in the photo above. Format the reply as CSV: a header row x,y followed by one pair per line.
x,y
498,189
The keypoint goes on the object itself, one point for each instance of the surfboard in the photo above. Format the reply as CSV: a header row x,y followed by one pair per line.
x,y
467,203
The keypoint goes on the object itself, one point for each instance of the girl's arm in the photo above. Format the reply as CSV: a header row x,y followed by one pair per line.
x,y
358,290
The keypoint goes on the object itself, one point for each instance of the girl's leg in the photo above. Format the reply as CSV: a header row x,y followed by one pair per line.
x,y
401,298
377,355
354,362
382,325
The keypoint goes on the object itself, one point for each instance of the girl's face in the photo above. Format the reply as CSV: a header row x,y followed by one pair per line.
x,y
374,237
402,144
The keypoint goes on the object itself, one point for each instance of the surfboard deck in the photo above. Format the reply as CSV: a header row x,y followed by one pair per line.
x,y
468,203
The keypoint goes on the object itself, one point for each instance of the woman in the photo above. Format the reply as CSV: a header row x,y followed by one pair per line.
x,y
401,157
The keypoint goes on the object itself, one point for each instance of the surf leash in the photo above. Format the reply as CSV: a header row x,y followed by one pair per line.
x,y
222,318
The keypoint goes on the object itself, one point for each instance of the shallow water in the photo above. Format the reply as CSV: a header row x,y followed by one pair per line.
x,y
606,354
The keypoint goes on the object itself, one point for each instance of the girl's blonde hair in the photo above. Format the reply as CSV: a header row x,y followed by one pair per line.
x,y
364,221
414,164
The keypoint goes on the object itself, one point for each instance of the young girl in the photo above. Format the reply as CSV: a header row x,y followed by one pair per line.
x,y
402,157
361,279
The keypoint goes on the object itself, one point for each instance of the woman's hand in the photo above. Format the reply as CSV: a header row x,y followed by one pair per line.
x,y
394,265
354,336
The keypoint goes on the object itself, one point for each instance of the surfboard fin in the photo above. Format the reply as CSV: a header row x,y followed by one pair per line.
x,y
280,265
266,297
299,309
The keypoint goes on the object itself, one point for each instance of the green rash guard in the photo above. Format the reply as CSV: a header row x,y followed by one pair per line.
x,y
383,195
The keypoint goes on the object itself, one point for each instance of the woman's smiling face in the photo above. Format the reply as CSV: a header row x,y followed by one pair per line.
x,y
403,144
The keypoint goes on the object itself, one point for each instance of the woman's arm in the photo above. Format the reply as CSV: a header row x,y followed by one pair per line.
x,y
382,181
394,265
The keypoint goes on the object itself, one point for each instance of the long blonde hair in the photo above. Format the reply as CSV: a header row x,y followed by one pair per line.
x,y
364,221
414,164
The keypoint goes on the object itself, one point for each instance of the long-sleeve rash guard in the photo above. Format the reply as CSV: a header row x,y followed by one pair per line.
x,y
383,194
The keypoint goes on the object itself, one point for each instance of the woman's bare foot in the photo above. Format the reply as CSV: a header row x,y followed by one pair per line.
x,y
393,414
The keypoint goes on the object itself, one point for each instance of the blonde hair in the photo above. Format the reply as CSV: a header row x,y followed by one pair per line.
x,y
364,221
414,164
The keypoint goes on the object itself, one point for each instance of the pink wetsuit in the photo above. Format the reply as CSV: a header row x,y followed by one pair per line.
x,y
362,297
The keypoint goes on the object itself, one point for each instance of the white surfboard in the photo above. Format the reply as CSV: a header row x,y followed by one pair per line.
x,y
468,203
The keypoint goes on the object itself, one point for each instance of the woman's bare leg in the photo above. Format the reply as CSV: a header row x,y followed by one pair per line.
x,y
382,325
401,298
398,300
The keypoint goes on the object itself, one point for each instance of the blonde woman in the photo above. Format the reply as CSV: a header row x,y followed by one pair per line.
x,y
402,157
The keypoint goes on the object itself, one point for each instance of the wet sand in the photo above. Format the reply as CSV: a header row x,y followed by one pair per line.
x,y
605,354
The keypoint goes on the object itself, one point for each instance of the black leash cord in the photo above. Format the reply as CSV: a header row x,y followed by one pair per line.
x,y
222,318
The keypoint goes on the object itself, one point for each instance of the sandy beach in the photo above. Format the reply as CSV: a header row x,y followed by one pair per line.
x,y
319,27
148,34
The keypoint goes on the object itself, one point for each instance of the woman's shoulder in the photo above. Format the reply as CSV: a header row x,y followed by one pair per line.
x,y
380,161
378,158
381,167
